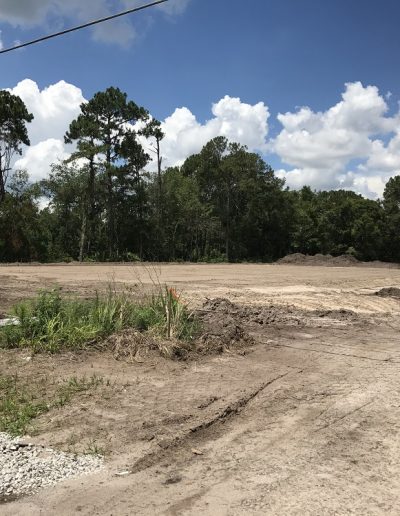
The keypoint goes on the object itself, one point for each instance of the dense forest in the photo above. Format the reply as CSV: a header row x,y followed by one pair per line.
x,y
223,204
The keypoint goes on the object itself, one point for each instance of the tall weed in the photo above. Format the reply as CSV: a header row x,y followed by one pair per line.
x,y
52,321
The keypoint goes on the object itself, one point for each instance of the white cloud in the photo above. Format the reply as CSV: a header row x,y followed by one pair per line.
x,y
238,121
174,7
320,146
29,13
354,144
26,12
1,42
56,106
171,7
385,157
38,158
53,108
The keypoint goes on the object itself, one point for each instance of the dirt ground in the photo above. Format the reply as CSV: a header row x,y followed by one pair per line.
x,y
304,420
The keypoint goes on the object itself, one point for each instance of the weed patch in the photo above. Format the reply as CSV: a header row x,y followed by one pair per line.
x,y
21,403
53,322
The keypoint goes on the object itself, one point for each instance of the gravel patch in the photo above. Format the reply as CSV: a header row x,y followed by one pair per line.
x,y
26,468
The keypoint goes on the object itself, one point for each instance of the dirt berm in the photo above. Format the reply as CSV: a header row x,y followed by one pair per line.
x,y
327,260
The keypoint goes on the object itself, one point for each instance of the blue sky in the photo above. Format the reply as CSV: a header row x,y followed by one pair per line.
x,y
286,54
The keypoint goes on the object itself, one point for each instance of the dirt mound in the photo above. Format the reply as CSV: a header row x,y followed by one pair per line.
x,y
222,328
339,315
220,304
227,325
343,260
389,292
251,315
293,259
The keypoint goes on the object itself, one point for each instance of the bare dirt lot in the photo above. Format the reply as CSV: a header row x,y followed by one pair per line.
x,y
303,420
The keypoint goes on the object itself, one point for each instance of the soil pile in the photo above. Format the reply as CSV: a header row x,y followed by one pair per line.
x,y
220,309
343,260
389,292
338,315
249,315
222,327
254,318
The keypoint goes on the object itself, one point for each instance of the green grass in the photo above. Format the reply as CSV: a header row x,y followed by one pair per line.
x,y
21,403
18,406
53,322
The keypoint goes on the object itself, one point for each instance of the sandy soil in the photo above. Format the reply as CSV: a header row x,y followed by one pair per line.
x,y
305,421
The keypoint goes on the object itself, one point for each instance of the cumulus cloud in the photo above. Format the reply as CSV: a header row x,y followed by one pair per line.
x,y
238,121
30,13
354,144
320,146
26,12
53,108
57,105
37,159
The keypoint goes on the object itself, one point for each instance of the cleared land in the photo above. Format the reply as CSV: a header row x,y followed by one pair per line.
x,y
305,421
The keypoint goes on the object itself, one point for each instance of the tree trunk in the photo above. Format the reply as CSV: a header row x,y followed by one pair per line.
x,y
2,181
83,236
228,226
91,203
160,208
110,202
159,165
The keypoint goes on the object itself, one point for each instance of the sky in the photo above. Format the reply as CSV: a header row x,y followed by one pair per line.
x,y
312,85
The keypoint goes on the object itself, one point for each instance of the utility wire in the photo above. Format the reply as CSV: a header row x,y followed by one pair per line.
x,y
79,27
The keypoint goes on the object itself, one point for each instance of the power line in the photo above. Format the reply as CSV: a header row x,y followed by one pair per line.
x,y
79,27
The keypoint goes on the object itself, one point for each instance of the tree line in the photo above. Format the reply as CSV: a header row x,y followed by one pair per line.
x,y
223,204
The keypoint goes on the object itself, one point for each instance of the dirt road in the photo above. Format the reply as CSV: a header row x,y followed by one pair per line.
x,y
304,422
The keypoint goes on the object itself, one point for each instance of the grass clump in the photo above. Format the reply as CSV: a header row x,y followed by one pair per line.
x,y
21,403
18,406
53,322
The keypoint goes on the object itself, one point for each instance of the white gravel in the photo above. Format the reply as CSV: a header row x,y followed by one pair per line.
x,y
26,468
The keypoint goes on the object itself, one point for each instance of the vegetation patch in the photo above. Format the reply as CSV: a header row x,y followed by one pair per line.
x,y
21,402
53,322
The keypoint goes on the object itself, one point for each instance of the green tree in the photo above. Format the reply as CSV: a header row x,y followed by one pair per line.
x,y
391,205
13,133
66,190
241,191
131,197
85,131
22,236
153,130
106,120
188,224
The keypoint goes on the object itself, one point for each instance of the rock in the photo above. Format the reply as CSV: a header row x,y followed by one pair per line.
x,y
24,470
